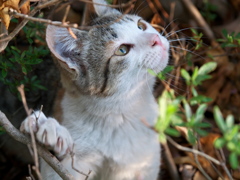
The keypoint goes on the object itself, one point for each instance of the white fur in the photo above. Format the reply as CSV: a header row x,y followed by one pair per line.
x,y
112,135
111,138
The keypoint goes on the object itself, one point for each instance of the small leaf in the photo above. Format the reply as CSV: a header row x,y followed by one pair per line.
x,y
201,132
233,159
200,111
224,32
231,146
230,121
201,78
151,72
219,143
200,99
185,75
219,119
24,70
4,73
188,111
172,132
194,92
203,125
207,68
191,138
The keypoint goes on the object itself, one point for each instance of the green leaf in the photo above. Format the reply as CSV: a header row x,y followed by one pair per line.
x,y
233,159
231,146
188,111
185,75
172,132
230,121
203,125
219,143
219,119
194,92
162,138
163,73
16,49
207,68
4,73
200,112
191,137
225,33
24,70
201,78
194,31
151,72
200,99
201,132
195,74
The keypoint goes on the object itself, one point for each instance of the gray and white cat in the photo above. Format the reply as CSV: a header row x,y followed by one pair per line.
x,y
108,97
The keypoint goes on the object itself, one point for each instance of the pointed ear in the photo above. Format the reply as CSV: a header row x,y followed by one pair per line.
x,y
104,9
62,44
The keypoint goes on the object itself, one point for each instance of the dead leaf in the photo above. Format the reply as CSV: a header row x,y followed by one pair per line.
x,y
156,19
5,16
25,7
4,8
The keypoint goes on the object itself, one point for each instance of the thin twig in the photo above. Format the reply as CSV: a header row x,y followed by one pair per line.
x,y
47,21
73,167
24,21
30,172
112,6
170,163
198,18
28,111
66,14
200,168
45,154
194,151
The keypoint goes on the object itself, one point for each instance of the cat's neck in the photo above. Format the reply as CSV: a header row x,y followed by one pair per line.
x,y
119,103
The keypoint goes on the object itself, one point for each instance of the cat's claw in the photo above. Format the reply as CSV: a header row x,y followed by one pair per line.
x,y
49,132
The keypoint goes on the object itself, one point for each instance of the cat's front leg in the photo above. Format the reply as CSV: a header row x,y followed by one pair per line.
x,y
49,133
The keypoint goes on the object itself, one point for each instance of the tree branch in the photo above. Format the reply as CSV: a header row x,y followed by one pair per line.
x,y
45,154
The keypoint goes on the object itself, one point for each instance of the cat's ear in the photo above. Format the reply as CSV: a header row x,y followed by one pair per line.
x,y
104,9
62,44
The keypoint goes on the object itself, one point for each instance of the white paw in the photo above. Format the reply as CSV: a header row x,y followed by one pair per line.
x,y
48,132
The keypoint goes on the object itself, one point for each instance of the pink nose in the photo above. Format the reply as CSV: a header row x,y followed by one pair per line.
x,y
155,40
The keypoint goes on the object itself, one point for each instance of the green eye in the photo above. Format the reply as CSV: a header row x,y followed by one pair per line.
x,y
122,50
141,26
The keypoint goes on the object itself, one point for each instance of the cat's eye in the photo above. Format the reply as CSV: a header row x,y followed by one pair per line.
x,y
123,50
142,26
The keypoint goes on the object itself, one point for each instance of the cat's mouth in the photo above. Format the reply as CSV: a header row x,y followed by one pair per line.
x,y
156,61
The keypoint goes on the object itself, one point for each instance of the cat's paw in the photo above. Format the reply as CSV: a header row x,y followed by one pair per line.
x,y
48,132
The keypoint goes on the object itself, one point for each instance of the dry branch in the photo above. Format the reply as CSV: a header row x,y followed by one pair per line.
x,y
199,19
45,154
196,152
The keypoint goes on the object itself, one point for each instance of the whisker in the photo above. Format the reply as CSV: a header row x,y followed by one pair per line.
x,y
165,28
173,87
188,51
140,8
180,30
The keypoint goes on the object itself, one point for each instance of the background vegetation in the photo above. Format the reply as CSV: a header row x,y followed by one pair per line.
x,y
198,93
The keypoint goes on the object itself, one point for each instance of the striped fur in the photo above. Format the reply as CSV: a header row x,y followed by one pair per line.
x,y
108,96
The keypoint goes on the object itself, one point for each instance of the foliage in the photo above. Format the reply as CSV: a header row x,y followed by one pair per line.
x,y
208,11
230,138
178,111
16,65
197,37
230,40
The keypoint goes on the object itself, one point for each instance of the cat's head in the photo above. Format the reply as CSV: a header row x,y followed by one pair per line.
x,y
112,57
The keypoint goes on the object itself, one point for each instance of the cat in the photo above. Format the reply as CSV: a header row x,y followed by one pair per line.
x,y
108,107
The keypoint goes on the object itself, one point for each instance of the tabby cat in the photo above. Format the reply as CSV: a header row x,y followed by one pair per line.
x,y
108,105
